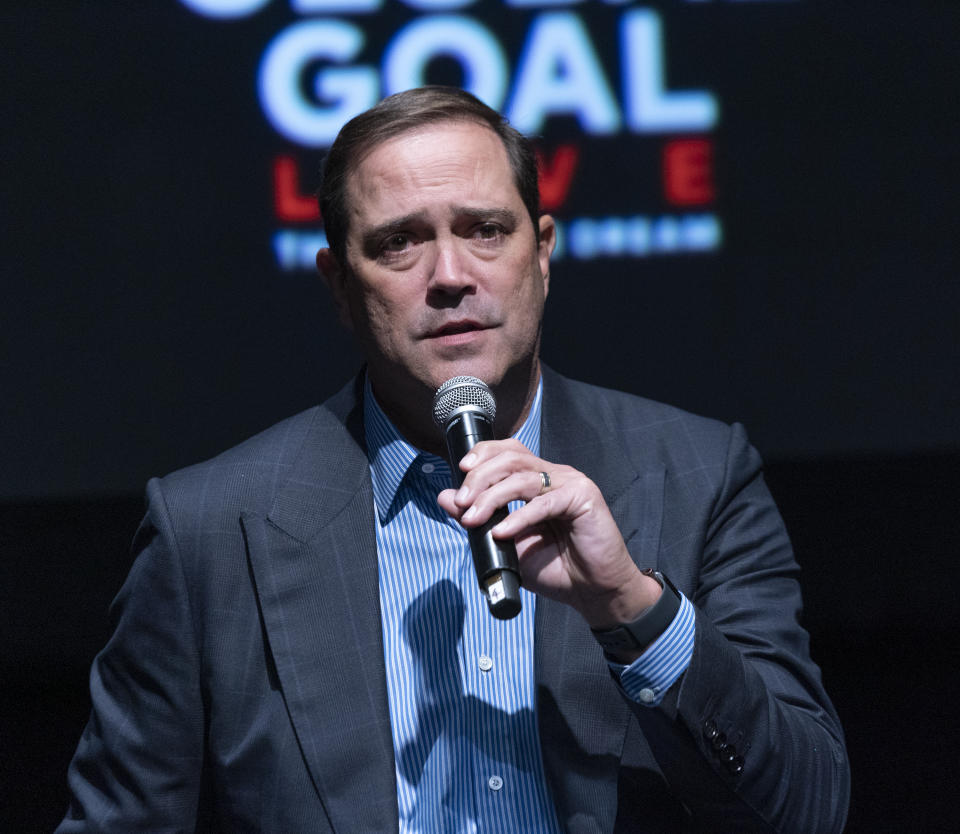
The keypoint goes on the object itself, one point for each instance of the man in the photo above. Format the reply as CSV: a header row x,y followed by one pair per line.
x,y
301,644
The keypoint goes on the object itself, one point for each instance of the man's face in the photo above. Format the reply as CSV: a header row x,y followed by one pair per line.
x,y
444,273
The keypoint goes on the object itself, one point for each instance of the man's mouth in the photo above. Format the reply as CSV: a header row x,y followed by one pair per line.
x,y
455,328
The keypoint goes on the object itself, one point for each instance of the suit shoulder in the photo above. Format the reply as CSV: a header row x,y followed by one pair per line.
x,y
646,431
691,449
630,412
246,476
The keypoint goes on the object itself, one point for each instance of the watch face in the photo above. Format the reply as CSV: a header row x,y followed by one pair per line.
x,y
616,640
649,625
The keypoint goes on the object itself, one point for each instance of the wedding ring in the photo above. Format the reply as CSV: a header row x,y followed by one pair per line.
x,y
544,482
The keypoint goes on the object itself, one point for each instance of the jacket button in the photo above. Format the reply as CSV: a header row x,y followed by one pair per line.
x,y
719,741
735,765
728,753
710,730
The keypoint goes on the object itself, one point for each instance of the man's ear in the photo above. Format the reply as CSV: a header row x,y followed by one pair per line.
x,y
334,276
545,247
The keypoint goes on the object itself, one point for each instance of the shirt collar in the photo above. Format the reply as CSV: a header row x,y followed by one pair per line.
x,y
391,456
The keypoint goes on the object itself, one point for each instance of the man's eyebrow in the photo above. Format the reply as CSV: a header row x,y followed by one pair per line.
x,y
373,235
504,216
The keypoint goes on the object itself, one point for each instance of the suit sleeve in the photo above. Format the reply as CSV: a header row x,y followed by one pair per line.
x,y
139,761
748,738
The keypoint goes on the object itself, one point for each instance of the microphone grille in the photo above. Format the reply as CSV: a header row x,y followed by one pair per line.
x,y
459,391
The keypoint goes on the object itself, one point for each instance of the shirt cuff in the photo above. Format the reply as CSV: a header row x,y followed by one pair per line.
x,y
648,678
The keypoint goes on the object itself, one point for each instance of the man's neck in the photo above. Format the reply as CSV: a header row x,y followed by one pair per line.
x,y
514,398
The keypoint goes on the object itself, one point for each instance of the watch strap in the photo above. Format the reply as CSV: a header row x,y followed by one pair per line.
x,y
648,626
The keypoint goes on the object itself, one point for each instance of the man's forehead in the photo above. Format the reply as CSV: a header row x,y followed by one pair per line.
x,y
422,158
392,134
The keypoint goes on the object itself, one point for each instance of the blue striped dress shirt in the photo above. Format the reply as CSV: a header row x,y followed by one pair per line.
x,y
460,683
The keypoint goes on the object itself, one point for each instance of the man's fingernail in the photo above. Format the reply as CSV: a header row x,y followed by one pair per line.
x,y
469,513
461,495
469,460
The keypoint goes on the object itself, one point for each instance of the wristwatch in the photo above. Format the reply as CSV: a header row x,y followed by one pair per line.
x,y
648,626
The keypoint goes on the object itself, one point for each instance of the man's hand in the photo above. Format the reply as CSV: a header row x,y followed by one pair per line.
x,y
568,544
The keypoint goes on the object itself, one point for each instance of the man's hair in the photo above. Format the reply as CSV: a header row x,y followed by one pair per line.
x,y
403,112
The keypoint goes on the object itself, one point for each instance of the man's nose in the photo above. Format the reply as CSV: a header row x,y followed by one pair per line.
x,y
450,274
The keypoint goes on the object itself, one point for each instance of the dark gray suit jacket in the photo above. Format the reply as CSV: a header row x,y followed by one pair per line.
x,y
244,687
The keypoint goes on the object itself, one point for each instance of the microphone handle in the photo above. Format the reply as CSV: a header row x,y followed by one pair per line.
x,y
495,562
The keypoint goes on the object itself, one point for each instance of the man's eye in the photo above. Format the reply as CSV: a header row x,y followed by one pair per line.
x,y
396,243
488,231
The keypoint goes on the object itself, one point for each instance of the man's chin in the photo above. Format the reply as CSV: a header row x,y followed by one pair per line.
x,y
487,372
427,376
517,377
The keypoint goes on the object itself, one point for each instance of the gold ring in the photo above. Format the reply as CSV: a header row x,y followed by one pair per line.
x,y
544,482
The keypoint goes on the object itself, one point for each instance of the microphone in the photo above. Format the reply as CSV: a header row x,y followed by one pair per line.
x,y
464,407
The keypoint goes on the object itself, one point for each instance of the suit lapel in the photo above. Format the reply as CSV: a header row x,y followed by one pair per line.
x,y
315,568
582,716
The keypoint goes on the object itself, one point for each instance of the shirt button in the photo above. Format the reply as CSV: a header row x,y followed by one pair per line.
x,y
495,783
647,696
485,663
427,468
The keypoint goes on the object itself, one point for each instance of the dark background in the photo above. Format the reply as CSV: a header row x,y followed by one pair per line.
x,y
145,326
